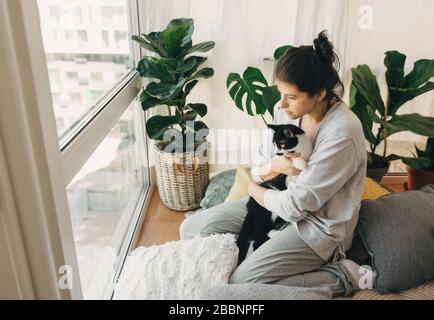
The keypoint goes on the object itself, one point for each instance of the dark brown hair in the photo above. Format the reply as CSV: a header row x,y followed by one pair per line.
x,y
312,68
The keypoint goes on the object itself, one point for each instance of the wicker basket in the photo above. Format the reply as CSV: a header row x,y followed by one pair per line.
x,y
182,178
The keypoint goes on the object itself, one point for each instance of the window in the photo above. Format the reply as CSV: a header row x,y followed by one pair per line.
x,y
72,76
96,76
100,131
60,122
54,13
112,14
82,38
69,36
120,39
85,48
75,96
100,198
79,15
105,38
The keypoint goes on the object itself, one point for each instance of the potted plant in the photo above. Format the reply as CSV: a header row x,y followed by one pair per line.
x,y
367,103
421,173
180,140
260,96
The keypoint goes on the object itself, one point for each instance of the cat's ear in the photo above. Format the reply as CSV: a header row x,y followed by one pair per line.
x,y
287,132
296,130
273,126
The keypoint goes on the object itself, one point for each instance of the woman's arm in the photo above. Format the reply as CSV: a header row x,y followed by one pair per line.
x,y
257,192
333,163
279,165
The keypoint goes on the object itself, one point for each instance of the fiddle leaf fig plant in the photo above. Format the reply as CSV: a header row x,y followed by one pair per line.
x,y
251,91
366,102
174,72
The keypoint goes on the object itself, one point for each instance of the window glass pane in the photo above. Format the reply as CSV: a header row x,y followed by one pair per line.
x,y
102,198
88,52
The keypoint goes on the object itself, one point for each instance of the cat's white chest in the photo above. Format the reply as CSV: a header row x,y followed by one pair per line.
x,y
305,148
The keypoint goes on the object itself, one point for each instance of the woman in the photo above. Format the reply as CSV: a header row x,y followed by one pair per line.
x,y
323,202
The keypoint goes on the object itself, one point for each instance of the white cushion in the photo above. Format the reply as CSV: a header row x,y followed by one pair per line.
x,y
178,269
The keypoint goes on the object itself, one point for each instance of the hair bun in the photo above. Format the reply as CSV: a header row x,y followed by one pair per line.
x,y
324,48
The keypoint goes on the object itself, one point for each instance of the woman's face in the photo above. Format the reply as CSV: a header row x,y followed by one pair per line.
x,y
294,102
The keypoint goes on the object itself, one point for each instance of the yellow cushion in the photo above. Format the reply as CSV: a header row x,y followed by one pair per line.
x,y
240,187
372,189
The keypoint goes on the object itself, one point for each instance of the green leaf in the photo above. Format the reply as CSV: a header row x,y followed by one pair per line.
x,y
177,36
203,73
187,65
412,122
417,163
279,52
392,157
200,108
171,135
172,102
190,115
150,67
201,47
199,62
148,101
165,90
157,125
429,148
189,86
247,86
400,96
420,153
270,96
423,71
394,62
366,83
154,40
198,126
145,44
364,112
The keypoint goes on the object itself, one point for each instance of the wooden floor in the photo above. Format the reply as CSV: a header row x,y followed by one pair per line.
x,y
161,224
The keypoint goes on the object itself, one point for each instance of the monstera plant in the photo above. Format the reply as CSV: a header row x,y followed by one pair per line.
x,y
174,73
366,102
260,97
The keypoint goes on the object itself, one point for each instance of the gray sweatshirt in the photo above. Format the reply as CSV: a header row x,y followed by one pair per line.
x,y
323,201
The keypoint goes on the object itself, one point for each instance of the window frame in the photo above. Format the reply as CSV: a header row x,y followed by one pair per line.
x,y
62,163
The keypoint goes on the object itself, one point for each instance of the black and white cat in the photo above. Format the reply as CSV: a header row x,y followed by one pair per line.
x,y
261,224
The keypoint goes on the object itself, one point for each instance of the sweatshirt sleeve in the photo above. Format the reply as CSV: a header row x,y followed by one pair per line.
x,y
331,165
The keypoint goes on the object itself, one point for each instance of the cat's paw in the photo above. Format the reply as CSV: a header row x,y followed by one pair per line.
x,y
272,233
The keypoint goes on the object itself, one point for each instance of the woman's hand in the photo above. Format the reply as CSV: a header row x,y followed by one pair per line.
x,y
284,165
257,192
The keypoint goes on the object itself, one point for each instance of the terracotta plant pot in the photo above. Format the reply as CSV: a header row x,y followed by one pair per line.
x,y
377,173
418,178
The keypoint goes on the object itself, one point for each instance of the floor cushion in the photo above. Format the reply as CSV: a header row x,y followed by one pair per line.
x,y
178,269
398,232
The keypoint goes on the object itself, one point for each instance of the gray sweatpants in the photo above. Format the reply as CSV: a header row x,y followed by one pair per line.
x,y
284,255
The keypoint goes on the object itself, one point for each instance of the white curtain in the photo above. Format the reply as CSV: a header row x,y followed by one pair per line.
x,y
247,31
403,25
